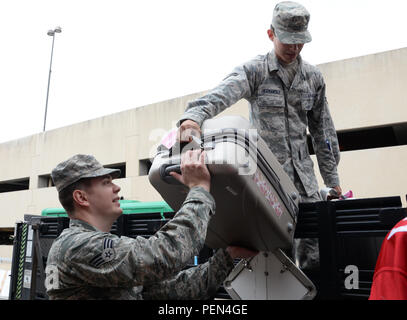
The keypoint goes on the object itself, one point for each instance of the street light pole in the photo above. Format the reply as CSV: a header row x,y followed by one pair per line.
x,y
52,34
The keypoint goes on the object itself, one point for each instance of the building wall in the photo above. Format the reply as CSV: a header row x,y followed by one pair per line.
x,y
362,92
367,91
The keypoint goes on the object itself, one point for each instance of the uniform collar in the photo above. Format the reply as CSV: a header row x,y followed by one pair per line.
x,y
81,224
274,65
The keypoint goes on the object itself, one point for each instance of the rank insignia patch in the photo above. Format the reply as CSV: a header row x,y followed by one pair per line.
x,y
107,254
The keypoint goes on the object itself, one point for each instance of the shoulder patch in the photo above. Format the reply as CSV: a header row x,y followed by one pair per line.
x,y
108,254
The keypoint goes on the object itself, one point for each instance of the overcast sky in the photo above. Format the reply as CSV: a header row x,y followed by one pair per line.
x,y
118,55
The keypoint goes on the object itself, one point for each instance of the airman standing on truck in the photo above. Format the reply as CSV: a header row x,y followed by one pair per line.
x,y
286,96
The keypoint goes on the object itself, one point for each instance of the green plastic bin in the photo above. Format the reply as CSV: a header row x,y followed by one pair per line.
x,y
128,206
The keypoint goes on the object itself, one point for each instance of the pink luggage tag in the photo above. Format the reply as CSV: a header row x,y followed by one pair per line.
x,y
330,194
170,138
348,194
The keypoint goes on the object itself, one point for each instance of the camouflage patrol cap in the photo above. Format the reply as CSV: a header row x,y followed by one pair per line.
x,y
77,167
290,23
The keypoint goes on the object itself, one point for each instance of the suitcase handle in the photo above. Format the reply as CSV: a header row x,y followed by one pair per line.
x,y
165,170
179,147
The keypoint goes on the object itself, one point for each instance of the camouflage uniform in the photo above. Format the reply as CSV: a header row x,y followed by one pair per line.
x,y
281,113
282,108
85,263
